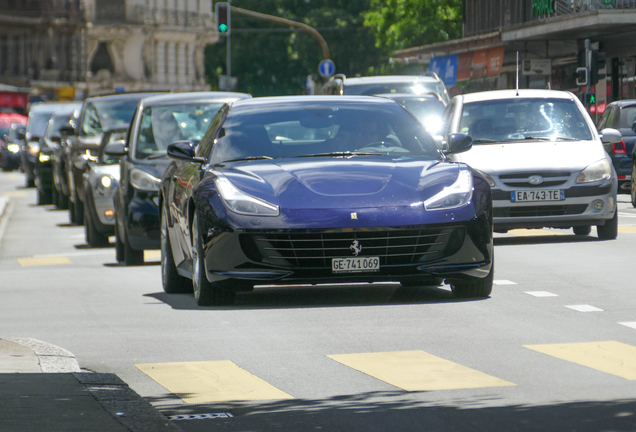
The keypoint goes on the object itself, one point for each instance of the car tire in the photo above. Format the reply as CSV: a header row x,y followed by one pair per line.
x,y
582,230
609,231
94,238
54,196
119,246
633,184
62,201
474,288
206,293
71,212
172,281
78,208
132,257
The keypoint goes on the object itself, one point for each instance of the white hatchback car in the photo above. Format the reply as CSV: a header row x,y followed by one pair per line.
x,y
543,158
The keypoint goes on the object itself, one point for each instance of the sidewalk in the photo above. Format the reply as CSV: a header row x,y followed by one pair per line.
x,y
42,389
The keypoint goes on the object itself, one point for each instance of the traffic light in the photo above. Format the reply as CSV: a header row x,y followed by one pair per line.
x,y
223,18
598,62
581,76
590,99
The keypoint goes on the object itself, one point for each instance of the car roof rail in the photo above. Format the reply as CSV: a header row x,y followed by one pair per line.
x,y
432,75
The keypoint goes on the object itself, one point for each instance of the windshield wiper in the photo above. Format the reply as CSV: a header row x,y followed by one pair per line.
x,y
342,153
566,139
537,138
249,158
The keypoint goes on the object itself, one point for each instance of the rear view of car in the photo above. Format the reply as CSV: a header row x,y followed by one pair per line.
x,y
543,157
621,115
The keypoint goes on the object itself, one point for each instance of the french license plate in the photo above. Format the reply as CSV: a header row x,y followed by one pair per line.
x,y
538,195
355,265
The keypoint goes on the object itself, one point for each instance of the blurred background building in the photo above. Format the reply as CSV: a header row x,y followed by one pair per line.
x,y
60,49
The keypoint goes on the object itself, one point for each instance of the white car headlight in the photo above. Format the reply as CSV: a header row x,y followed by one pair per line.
x,y
141,180
44,158
456,195
489,179
105,184
598,171
242,203
13,148
34,149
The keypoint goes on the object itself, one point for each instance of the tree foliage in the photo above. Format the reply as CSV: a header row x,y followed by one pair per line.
x,y
272,59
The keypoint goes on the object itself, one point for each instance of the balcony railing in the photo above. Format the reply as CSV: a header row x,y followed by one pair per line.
x,y
486,16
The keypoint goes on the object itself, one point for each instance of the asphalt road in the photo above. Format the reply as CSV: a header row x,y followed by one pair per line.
x,y
553,348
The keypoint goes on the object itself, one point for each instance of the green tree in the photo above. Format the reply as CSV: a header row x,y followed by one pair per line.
x,y
399,24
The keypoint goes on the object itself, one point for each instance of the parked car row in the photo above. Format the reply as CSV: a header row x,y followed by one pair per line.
x,y
390,186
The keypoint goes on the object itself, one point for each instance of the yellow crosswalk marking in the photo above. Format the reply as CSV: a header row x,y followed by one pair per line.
x,y
43,261
13,194
612,357
418,371
152,255
210,381
627,229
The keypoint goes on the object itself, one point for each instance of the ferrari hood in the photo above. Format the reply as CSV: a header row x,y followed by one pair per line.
x,y
336,182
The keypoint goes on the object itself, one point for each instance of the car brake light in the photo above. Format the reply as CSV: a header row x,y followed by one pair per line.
x,y
621,177
619,147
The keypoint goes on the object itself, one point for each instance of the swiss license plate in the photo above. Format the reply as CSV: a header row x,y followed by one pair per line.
x,y
537,195
355,265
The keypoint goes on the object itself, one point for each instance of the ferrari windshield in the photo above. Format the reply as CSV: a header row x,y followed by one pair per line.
x,y
302,129
523,119
163,125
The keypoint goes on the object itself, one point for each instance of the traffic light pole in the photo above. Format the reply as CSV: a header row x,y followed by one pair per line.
x,y
229,52
588,63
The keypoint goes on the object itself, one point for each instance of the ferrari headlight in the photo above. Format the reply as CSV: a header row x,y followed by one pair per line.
x,y
456,195
143,181
13,148
34,149
242,203
601,170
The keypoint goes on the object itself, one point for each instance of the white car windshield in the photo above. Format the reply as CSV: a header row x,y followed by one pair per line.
x,y
523,119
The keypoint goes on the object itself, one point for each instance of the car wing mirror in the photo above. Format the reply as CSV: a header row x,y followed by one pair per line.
x,y
610,136
67,129
458,143
184,150
116,149
634,126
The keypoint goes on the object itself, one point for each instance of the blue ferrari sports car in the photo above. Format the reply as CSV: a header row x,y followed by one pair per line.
x,y
321,189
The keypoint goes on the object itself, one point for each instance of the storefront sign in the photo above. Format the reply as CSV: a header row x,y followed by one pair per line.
x,y
480,62
437,66
450,70
464,64
495,61
537,67
542,7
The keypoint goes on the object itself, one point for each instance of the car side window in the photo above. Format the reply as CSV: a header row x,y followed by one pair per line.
x,y
610,118
205,146
447,119
603,120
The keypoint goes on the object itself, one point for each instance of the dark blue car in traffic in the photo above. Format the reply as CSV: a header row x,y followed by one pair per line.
x,y
296,190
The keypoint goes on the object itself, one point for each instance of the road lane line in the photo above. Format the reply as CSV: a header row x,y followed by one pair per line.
x,y
541,294
418,371
611,357
631,324
211,381
584,308
44,261
504,282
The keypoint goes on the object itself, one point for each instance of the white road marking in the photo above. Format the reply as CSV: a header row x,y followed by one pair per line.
x,y
541,294
631,324
504,282
585,308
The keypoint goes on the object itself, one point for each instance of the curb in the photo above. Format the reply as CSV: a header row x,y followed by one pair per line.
x,y
52,359
4,202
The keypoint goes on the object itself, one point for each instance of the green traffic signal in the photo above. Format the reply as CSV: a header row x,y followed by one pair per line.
x,y
590,98
223,28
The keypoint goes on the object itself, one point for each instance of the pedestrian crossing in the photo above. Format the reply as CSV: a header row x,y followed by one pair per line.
x,y
413,371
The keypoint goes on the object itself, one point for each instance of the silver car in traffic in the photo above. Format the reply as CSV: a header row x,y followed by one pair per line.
x,y
543,158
